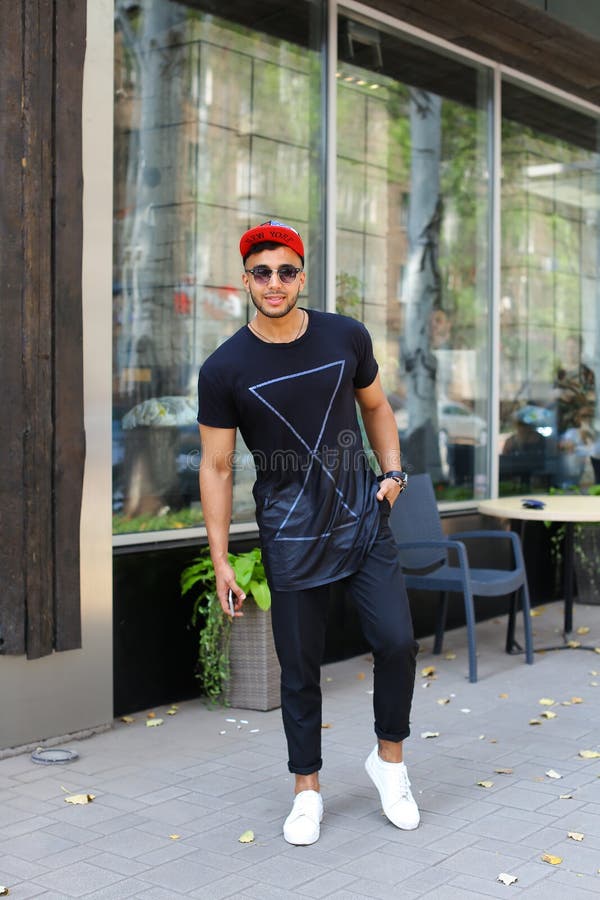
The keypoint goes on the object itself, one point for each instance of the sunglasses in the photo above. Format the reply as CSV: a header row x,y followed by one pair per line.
x,y
263,274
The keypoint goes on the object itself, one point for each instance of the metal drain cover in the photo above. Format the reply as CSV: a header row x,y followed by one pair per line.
x,y
53,756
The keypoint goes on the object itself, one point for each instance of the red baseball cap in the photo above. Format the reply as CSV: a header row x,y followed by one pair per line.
x,y
276,233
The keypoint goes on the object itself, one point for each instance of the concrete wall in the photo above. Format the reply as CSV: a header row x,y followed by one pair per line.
x,y
71,691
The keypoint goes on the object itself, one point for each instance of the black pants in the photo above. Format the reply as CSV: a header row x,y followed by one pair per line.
x,y
299,619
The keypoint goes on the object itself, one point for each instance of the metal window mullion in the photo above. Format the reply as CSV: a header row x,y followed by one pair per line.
x,y
495,262
331,156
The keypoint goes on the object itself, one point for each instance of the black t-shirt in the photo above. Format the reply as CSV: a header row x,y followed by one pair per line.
x,y
294,405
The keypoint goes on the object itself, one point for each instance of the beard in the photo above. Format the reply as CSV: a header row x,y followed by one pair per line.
x,y
277,313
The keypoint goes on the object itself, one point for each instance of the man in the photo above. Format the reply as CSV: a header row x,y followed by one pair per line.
x,y
289,381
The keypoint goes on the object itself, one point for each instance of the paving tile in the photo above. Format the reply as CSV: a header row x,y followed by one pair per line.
x,y
117,891
77,880
362,888
23,869
129,843
295,872
173,876
118,864
67,857
34,846
325,884
383,867
229,886
25,890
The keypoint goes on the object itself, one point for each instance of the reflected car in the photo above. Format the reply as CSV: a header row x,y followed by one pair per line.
x,y
461,424
457,424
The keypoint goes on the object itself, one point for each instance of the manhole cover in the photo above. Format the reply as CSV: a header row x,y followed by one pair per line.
x,y
53,756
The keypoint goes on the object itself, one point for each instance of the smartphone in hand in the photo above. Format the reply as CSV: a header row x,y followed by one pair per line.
x,y
231,606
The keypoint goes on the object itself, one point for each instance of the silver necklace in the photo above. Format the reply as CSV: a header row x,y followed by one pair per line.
x,y
265,338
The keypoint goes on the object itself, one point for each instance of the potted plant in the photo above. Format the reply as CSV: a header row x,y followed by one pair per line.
x,y
237,662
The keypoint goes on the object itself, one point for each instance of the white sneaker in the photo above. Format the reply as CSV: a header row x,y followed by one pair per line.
x,y
302,826
391,780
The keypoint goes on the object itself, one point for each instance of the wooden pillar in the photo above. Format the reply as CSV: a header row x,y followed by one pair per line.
x,y
41,368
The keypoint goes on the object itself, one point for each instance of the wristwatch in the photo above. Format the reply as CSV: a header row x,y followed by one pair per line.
x,y
400,478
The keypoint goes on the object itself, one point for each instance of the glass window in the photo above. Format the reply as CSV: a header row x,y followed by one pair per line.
x,y
550,314
217,127
412,241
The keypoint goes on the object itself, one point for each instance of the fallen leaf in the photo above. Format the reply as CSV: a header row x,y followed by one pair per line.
x,y
246,838
576,699
503,696
152,723
174,837
325,724
485,784
589,754
443,700
534,722
449,655
361,676
538,611
583,630
430,734
493,740
328,679
593,684
507,879
503,771
547,701
172,711
553,860
127,719
151,715
566,797
548,714
573,644
428,671
596,649
551,773
80,799
575,835
4,891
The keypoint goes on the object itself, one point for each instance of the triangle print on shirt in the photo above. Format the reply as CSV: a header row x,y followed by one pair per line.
x,y
313,505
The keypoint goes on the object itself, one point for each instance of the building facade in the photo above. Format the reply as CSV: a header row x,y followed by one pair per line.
x,y
441,163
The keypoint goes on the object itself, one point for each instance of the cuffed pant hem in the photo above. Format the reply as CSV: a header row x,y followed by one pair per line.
x,y
305,770
395,738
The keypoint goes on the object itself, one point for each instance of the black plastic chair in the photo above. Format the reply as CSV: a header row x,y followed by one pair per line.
x,y
428,566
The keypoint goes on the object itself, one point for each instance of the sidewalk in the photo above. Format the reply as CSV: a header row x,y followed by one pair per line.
x,y
171,801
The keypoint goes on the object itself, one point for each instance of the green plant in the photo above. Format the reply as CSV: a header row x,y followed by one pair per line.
x,y
207,614
586,542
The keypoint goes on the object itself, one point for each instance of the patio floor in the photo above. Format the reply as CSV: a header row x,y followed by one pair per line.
x,y
172,801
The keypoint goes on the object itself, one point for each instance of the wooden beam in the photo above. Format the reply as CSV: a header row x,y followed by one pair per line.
x,y
38,568
69,437
12,539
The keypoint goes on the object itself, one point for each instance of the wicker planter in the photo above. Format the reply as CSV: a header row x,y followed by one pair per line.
x,y
255,674
587,563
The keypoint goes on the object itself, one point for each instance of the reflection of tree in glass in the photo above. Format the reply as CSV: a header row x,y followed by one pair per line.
x,y
348,299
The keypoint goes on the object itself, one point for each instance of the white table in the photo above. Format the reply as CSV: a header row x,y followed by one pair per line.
x,y
566,508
